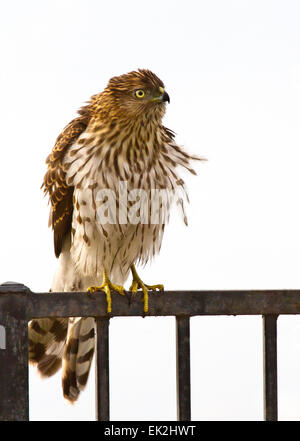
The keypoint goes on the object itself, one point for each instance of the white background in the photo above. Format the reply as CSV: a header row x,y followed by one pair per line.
x,y
232,70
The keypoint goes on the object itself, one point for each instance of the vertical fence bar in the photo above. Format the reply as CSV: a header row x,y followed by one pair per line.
x,y
183,368
102,369
270,367
14,395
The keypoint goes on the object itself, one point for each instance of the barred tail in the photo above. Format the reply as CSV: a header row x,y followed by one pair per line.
x,y
77,357
47,337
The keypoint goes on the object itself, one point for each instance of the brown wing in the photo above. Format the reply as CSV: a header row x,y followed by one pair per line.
x,y
60,194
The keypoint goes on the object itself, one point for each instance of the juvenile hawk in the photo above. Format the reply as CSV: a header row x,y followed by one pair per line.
x,y
102,173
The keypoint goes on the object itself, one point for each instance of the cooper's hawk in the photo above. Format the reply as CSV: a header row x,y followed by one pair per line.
x,y
111,179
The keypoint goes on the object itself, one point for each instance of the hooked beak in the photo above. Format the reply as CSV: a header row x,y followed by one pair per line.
x,y
163,97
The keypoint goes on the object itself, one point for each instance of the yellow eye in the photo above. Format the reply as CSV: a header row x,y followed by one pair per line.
x,y
140,93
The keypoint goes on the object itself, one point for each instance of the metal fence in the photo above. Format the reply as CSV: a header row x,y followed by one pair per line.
x,y
18,305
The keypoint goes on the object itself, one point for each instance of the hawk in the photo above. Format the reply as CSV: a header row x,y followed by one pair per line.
x,y
102,173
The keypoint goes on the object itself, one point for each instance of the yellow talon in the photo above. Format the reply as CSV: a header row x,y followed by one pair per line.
x,y
138,283
107,286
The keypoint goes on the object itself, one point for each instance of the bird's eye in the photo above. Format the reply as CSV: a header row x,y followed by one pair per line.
x,y
139,93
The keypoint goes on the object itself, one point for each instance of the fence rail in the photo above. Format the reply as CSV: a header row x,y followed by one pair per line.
x,y
18,305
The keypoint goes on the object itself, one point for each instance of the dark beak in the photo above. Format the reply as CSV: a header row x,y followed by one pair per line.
x,y
165,97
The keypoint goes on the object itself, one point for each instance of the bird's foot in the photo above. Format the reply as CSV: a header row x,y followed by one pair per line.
x,y
138,283
107,286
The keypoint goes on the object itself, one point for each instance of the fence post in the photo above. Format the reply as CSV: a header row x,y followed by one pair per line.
x,y
102,369
183,368
270,367
14,399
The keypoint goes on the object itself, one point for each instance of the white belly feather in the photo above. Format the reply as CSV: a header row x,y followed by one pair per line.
x,y
100,238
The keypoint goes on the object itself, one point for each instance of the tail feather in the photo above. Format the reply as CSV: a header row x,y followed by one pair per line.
x,y
78,355
64,342
46,342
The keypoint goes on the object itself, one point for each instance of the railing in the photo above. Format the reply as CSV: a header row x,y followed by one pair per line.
x,y
18,305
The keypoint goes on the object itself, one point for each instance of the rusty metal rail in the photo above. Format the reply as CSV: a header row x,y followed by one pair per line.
x,y
18,305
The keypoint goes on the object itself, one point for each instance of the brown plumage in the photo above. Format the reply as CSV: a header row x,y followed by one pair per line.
x,y
60,194
117,139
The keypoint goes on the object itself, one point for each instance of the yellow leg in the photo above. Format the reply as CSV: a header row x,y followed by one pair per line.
x,y
138,283
107,286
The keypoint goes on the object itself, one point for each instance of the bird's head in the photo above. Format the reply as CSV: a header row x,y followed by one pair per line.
x,y
135,95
